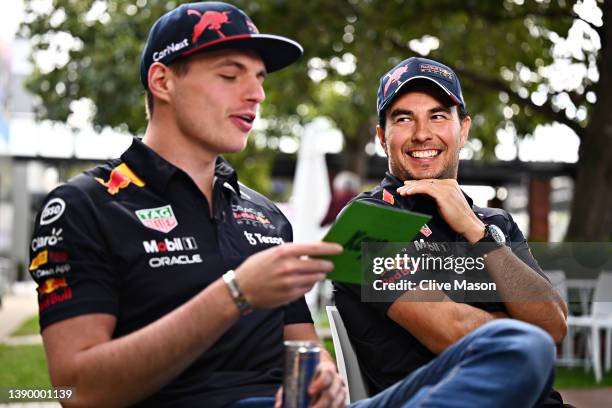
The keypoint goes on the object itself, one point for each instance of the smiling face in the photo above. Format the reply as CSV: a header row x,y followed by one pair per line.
x,y
215,102
423,135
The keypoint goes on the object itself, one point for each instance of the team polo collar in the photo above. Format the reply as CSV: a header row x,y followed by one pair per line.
x,y
157,171
391,183
225,173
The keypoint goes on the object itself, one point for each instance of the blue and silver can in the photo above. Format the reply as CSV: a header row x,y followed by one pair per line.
x,y
301,361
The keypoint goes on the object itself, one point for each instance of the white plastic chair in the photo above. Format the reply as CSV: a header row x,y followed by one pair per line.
x,y
346,358
599,318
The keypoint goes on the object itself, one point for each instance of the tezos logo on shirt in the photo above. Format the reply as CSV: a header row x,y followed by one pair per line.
x,y
255,238
160,219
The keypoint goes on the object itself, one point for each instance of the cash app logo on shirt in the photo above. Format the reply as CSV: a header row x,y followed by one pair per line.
x,y
160,219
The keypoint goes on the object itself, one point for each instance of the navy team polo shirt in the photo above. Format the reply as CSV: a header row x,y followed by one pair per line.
x,y
135,238
387,352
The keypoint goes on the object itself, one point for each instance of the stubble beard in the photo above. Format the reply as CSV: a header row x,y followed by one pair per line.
x,y
448,172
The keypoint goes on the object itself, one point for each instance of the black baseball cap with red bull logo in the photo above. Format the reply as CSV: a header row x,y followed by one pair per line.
x,y
412,69
208,26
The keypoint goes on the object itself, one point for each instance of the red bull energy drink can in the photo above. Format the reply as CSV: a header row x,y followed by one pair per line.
x,y
301,361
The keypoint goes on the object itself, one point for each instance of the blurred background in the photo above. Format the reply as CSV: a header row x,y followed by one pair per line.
x,y
536,76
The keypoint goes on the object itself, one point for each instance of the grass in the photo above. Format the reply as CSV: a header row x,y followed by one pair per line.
x,y
23,367
29,327
576,377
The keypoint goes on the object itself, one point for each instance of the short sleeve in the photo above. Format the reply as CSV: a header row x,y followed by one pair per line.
x,y
69,259
520,248
297,312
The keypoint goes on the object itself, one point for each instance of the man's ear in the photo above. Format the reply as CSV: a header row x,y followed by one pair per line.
x,y
465,130
160,83
380,134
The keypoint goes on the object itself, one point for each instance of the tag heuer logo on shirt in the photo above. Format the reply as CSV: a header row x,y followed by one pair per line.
x,y
426,230
160,219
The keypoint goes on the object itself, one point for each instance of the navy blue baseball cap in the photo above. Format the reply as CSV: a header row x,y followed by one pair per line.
x,y
209,26
412,69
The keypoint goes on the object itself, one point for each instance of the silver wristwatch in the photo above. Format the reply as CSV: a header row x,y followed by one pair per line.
x,y
493,238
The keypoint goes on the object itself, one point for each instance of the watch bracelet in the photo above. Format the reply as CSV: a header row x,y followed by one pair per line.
x,y
243,305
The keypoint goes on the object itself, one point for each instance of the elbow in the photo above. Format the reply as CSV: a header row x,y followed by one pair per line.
x,y
558,330
556,326
82,396
84,399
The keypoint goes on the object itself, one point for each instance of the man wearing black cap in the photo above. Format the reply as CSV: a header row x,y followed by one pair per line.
x,y
163,281
423,125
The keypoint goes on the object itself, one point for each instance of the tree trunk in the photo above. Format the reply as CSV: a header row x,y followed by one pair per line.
x,y
591,217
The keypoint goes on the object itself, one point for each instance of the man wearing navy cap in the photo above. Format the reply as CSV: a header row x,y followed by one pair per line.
x,y
162,280
423,125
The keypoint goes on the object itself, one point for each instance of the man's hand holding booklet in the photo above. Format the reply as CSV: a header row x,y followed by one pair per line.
x,y
363,222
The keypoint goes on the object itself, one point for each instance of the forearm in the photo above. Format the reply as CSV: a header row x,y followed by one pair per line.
x,y
125,370
117,372
464,320
438,325
526,295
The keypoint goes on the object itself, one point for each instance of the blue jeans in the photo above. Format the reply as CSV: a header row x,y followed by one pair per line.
x,y
504,363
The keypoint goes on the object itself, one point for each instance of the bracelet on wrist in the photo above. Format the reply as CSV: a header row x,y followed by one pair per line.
x,y
244,307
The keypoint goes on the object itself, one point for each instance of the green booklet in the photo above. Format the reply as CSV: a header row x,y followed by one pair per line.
x,y
364,222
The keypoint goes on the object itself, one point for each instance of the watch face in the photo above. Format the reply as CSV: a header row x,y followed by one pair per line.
x,y
497,234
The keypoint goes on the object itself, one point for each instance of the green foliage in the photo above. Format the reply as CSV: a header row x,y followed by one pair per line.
x,y
488,42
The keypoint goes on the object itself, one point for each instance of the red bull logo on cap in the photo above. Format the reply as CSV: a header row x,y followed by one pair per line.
x,y
210,20
120,177
395,77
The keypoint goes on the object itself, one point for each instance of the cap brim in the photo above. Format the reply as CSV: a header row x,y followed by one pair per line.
x,y
445,89
276,52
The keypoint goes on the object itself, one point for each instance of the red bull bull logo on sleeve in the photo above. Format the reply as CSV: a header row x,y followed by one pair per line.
x,y
120,177
49,295
51,285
